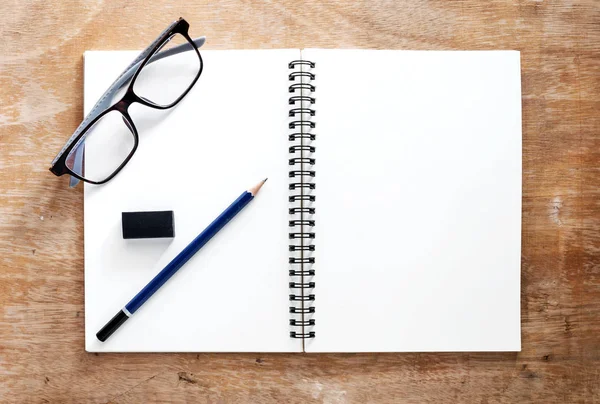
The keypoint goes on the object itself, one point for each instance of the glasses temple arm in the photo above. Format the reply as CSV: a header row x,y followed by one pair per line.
x,y
123,79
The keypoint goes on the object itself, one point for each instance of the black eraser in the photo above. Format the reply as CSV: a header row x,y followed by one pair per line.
x,y
148,224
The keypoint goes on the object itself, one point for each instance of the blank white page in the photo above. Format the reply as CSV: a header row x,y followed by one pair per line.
x,y
229,133
418,201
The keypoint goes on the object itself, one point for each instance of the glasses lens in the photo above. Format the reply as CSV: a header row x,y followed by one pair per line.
x,y
169,73
107,145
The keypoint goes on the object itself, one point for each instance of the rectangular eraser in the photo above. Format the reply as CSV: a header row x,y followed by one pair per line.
x,y
148,224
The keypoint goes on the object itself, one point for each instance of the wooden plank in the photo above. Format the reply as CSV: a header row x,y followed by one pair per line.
x,y
41,232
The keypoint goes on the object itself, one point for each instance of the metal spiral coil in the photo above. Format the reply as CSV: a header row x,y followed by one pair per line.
x,y
294,111
296,136
301,335
302,197
303,260
309,198
310,211
302,160
300,222
301,235
302,248
302,323
295,63
294,149
302,298
299,185
301,98
298,285
310,272
305,310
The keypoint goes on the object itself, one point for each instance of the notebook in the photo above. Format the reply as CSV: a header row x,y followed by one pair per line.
x,y
391,220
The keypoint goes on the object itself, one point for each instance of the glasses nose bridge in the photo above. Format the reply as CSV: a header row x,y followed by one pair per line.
x,y
129,98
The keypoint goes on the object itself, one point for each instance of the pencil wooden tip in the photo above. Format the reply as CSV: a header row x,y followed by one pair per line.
x,y
254,190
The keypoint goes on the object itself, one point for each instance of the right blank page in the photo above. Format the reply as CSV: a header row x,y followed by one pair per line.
x,y
418,201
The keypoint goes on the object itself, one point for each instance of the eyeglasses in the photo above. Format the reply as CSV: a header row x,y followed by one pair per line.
x,y
158,78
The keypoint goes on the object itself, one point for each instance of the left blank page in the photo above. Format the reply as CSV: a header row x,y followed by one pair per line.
x,y
224,137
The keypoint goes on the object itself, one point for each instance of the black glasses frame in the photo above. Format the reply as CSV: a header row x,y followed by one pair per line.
x,y
59,167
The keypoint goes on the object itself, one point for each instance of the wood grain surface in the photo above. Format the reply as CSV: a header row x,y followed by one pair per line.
x,y
42,357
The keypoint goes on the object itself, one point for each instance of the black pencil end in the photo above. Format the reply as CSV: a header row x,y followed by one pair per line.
x,y
112,326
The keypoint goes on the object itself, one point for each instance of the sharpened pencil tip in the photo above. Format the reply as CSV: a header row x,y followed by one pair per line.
x,y
254,190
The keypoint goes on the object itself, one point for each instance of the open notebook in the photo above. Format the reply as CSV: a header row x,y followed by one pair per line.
x,y
391,220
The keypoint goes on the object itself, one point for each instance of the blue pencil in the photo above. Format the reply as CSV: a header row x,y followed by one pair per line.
x,y
177,262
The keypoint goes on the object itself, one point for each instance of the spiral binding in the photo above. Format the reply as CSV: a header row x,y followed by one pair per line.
x,y
302,187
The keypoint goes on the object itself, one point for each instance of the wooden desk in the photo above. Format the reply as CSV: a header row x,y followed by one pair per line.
x,y
41,231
